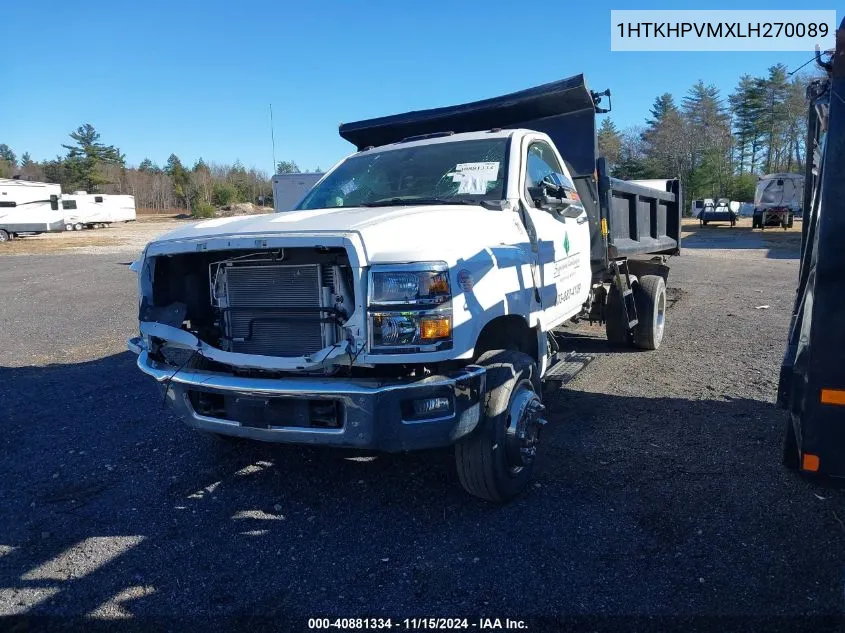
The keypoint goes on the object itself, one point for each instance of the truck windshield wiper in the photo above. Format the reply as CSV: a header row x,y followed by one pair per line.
x,y
403,201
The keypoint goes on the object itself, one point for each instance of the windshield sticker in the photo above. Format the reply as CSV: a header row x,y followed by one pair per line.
x,y
473,178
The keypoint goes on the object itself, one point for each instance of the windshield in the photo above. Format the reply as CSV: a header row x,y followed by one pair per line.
x,y
457,172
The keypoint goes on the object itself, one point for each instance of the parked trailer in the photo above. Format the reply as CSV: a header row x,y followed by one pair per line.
x,y
28,207
777,200
812,377
723,210
96,210
290,189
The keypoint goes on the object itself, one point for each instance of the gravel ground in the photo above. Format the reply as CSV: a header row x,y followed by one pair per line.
x,y
659,501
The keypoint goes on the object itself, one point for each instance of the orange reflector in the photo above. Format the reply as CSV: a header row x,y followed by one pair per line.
x,y
811,462
604,227
833,396
435,328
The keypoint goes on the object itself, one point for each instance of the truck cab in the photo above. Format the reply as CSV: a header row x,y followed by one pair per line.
x,y
410,300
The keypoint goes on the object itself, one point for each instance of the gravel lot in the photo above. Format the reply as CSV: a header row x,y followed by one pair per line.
x,y
659,502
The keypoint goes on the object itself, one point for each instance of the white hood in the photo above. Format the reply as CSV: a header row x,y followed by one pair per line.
x,y
388,234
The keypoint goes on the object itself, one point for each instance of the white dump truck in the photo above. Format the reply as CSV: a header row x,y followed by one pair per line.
x,y
410,300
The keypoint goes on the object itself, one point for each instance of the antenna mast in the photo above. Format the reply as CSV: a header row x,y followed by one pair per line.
x,y
272,140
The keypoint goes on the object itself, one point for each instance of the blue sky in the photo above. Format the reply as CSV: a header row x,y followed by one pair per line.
x,y
196,78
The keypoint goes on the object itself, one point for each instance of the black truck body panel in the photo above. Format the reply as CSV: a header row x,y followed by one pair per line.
x,y
812,375
639,220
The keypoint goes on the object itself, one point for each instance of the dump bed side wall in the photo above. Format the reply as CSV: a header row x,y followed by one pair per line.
x,y
643,220
640,220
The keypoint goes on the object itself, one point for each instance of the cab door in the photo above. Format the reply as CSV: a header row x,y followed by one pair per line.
x,y
562,244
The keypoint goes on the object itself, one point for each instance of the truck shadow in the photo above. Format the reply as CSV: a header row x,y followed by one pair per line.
x,y
777,243
112,507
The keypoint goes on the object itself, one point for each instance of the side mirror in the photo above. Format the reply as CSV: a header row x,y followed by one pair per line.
x,y
555,198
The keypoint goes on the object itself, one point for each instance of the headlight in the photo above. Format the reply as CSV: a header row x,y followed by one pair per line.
x,y
410,285
410,308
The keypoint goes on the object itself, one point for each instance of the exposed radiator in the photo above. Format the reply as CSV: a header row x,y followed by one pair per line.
x,y
255,320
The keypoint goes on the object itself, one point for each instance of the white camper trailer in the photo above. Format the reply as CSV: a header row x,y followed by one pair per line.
x,y
29,208
289,189
96,210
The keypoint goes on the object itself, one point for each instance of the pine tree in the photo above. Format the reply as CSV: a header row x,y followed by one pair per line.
x,y
85,160
148,166
775,94
26,160
709,131
662,105
747,106
180,178
610,142
8,155
287,167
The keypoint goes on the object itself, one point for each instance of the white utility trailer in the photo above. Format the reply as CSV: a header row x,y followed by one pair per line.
x,y
289,189
96,210
29,208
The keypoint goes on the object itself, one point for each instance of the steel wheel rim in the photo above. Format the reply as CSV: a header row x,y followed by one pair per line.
x,y
522,431
661,315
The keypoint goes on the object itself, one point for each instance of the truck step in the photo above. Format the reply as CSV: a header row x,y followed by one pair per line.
x,y
566,368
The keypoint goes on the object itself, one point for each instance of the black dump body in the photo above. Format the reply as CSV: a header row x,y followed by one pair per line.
x,y
639,220
812,379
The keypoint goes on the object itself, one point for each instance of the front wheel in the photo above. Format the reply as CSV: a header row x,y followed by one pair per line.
x,y
4,236
496,461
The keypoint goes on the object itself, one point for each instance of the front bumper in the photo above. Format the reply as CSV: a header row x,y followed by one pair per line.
x,y
373,413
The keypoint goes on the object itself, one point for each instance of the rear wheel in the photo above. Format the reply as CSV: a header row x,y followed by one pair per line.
x,y
650,296
68,227
78,226
496,461
4,236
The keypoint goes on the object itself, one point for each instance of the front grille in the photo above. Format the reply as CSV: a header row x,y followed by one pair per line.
x,y
262,316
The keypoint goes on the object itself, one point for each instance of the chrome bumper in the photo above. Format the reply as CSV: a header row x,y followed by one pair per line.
x,y
373,411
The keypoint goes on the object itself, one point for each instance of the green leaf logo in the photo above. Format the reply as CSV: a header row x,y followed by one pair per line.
x,y
566,242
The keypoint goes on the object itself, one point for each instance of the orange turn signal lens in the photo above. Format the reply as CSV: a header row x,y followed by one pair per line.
x,y
433,328
833,396
810,462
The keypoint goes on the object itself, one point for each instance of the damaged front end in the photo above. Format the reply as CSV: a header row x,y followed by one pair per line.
x,y
260,339
272,310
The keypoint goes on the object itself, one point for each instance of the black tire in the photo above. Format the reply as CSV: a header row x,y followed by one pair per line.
x,y
790,222
650,296
4,236
791,455
485,459
614,324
